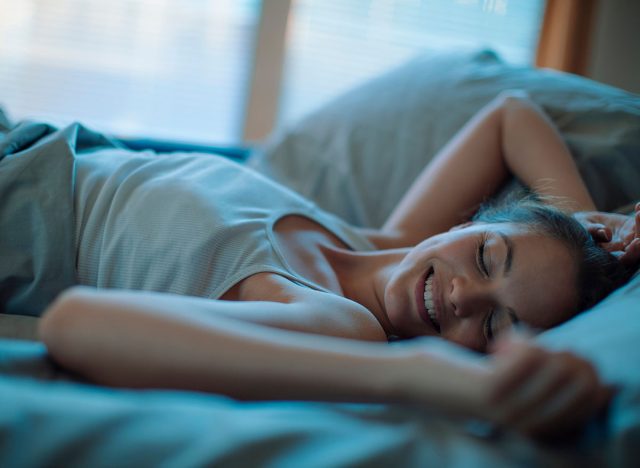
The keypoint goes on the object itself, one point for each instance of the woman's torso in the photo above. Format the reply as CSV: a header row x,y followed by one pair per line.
x,y
197,225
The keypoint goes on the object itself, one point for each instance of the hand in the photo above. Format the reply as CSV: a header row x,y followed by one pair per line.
x,y
540,392
616,233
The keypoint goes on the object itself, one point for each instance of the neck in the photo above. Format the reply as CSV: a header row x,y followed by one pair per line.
x,y
363,276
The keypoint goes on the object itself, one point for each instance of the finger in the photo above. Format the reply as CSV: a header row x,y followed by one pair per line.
x,y
513,370
599,232
538,387
603,235
632,245
613,247
633,232
570,407
631,254
514,336
579,398
592,226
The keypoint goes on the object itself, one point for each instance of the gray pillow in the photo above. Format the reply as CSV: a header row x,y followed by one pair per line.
x,y
357,155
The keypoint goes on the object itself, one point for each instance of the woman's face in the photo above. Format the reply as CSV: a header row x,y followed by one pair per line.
x,y
471,283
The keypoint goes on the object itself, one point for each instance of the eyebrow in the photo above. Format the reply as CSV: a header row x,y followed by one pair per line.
x,y
508,260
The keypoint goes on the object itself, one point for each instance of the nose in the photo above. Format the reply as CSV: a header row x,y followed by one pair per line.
x,y
468,296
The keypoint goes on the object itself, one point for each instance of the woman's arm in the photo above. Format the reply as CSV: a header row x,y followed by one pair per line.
x,y
136,339
141,339
511,135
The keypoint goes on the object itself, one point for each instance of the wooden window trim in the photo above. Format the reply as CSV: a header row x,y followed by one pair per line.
x,y
565,38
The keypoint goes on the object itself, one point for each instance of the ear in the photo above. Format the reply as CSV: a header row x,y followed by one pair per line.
x,y
462,226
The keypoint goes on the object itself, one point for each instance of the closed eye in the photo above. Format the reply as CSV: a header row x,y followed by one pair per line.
x,y
482,266
488,329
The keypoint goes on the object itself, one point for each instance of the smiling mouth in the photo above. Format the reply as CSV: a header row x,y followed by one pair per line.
x,y
427,308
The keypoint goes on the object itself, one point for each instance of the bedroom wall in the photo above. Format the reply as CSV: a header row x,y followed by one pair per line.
x,y
615,56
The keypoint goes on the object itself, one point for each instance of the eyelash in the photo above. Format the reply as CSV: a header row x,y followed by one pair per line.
x,y
480,257
488,333
483,269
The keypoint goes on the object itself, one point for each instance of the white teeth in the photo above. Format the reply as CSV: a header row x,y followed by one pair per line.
x,y
428,292
428,300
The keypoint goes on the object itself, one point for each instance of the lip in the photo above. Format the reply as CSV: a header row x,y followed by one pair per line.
x,y
419,294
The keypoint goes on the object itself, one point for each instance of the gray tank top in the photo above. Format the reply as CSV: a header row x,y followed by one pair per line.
x,y
183,223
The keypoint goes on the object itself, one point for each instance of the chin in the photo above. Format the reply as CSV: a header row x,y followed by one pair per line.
x,y
401,323
393,310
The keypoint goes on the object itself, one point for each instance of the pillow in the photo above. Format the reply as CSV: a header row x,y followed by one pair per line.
x,y
5,123
607,335
357,156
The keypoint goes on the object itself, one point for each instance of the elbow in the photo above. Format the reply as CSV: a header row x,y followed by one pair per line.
x,y
514,105
60,327
513,98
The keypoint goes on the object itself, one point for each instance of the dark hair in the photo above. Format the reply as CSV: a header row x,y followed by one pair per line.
x,y
599,272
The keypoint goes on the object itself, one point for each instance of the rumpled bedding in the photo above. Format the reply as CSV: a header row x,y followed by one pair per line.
x,y
36,211
49,418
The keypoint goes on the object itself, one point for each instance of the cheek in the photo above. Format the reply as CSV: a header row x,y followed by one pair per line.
x,y
394,291
468,335
542,311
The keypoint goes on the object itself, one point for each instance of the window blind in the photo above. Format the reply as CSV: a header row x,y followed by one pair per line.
x,y
180,69
159,68
333,45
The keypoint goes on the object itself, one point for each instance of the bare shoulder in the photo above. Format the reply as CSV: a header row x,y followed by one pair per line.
x,y
311,311
338,316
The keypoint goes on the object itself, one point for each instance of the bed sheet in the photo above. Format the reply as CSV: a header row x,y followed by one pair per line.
x,y
36,213
49,418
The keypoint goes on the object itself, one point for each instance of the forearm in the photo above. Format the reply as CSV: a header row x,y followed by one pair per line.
x,y
122,340
510,136
536,154
463,174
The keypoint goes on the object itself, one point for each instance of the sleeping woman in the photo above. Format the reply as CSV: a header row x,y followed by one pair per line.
x,y
196,273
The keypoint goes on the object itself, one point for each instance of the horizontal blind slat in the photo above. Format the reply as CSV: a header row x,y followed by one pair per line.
x,y
159,68
334,45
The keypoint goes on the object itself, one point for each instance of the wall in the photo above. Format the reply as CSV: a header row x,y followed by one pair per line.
x,y
615,57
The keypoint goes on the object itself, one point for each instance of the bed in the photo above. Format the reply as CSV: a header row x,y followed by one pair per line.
x,y
354,157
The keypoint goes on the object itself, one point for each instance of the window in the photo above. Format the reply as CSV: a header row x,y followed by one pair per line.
x,y
159,68
184,69
334,44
